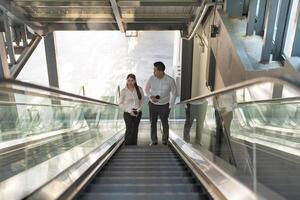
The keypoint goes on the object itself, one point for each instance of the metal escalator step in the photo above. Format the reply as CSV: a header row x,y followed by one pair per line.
x,y
140,164
150,150
145,168
142,188
143,196
128,164
145,173
124,151
146,152
145,147
143,153
137,162
142,180
146,157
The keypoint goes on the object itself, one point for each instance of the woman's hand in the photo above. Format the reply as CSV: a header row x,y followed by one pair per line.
x,y
133,114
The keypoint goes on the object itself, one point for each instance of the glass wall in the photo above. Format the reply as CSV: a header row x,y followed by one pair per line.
x,y
250,134
38,125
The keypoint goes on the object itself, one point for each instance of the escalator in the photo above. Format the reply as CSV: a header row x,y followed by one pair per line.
x,y
231,144
145,173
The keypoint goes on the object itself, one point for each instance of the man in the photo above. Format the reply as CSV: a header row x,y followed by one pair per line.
x,y
197,112
224,105
158,89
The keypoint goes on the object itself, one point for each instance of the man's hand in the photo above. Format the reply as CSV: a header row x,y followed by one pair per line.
x,y
153,99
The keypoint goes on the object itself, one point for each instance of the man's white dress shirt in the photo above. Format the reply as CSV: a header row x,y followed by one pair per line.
x,y
162,87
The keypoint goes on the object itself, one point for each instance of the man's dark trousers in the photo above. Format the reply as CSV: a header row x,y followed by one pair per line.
x,y
163,112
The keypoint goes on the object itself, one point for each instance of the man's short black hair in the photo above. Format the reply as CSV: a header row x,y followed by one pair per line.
x,y
159,65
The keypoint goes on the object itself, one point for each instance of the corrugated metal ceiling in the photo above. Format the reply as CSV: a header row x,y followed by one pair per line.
x,y
104,14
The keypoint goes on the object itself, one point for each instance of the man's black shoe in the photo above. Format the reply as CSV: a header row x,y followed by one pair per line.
x,y
153,143
165,143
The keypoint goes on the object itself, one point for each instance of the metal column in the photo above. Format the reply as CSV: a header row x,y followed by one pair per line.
x,y
282,25
269,31
50,49
234,8
9,39
186,69
277,91
260,17
296,45
4,68
8,114
251,17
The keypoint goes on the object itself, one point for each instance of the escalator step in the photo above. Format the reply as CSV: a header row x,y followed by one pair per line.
x,y
144,173
144,153
143,196
142,180
143,188
129,164
145,157
144,168
144,162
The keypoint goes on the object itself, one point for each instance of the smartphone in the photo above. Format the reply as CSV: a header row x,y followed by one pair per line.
x,y
134,111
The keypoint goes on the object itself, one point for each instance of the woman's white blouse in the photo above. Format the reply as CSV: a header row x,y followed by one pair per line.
x,y
129,100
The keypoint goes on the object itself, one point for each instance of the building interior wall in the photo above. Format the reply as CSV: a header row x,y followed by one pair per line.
x,y
232,60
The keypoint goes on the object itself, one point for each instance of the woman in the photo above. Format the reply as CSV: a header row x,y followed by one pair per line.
x,y
131,101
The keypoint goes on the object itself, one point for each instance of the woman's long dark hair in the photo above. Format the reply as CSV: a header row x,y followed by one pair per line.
x,y
135,85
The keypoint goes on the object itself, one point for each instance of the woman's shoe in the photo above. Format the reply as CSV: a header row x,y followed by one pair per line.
x,y
153,143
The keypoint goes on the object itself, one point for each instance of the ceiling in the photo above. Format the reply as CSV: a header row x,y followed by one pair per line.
x,y
123,15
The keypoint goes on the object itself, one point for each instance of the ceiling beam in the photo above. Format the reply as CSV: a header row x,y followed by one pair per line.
x,y
83,26
114,26
63,4
141,3
4,67
126,3
111,20
9,39
157,27
73,20
116,11
22,60
17,15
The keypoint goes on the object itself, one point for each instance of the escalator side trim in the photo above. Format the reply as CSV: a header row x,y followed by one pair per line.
x,y
83,182
67,184
217,182
202,179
